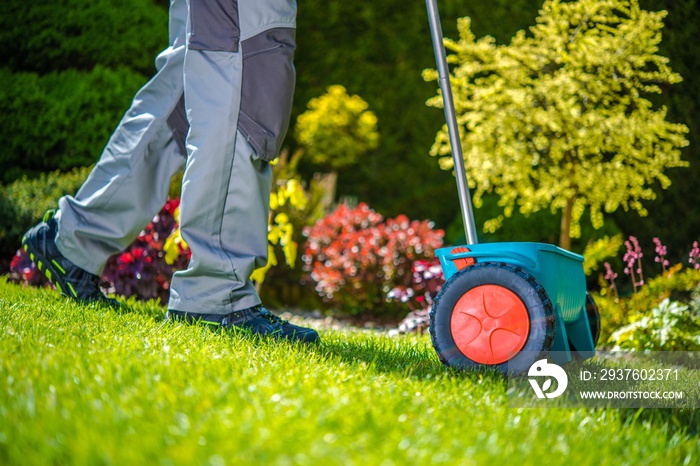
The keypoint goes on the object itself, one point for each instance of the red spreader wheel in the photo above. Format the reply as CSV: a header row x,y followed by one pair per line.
x,y
490,324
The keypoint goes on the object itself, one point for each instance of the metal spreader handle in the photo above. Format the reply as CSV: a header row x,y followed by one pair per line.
x,y
465,199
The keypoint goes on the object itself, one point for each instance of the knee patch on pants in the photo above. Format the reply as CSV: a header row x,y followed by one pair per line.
x,y
214,25
267,89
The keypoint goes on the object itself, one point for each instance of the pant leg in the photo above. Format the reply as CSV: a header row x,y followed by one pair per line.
x,y
238,82
130,182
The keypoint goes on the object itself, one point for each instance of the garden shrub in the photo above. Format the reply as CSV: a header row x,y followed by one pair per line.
x,y
600,250
337,129
287,195
356,258
512,144
24,202
66,117
143,270
670,326
675,284
616,312
428,279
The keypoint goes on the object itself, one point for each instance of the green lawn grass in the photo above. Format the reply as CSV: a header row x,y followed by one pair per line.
x,y
85,385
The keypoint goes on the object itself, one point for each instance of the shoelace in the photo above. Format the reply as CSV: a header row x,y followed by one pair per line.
x,y
272,318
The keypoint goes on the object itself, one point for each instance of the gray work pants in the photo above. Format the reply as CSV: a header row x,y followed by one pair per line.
x,y
219,104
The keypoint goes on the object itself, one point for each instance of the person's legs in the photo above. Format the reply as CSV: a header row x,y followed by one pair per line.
x,y
126,188
238,74
239,84
130,182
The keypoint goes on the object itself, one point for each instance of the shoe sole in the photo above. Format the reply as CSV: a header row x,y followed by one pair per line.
x,y
310,336
51,269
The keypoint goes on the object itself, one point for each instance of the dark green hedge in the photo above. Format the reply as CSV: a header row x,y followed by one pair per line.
x,y
51,35
59,120
68,71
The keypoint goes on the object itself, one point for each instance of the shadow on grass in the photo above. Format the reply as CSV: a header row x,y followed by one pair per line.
x,y
151,308
422,363
397,356
391,355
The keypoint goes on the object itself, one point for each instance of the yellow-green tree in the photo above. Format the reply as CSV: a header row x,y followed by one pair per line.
x,y
559,118
335,130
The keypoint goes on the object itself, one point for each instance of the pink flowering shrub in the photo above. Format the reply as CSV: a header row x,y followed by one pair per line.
x,y
610,277
633,262
694,256
660,257
361,262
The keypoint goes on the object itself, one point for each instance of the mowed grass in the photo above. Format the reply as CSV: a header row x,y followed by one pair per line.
x,y
86,385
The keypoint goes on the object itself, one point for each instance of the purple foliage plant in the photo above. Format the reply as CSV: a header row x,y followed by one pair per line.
x,y
427,280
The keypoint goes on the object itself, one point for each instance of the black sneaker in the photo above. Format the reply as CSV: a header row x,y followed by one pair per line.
x,y
71,280
257,320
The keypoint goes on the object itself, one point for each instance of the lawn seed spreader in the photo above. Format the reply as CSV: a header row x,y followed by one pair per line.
x,y
505,305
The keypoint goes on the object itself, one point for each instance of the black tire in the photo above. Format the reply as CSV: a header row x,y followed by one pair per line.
x,y
539,309
593,318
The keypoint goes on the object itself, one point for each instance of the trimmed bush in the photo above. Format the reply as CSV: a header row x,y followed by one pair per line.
x,y
60,120
356,259
47,35
24,202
